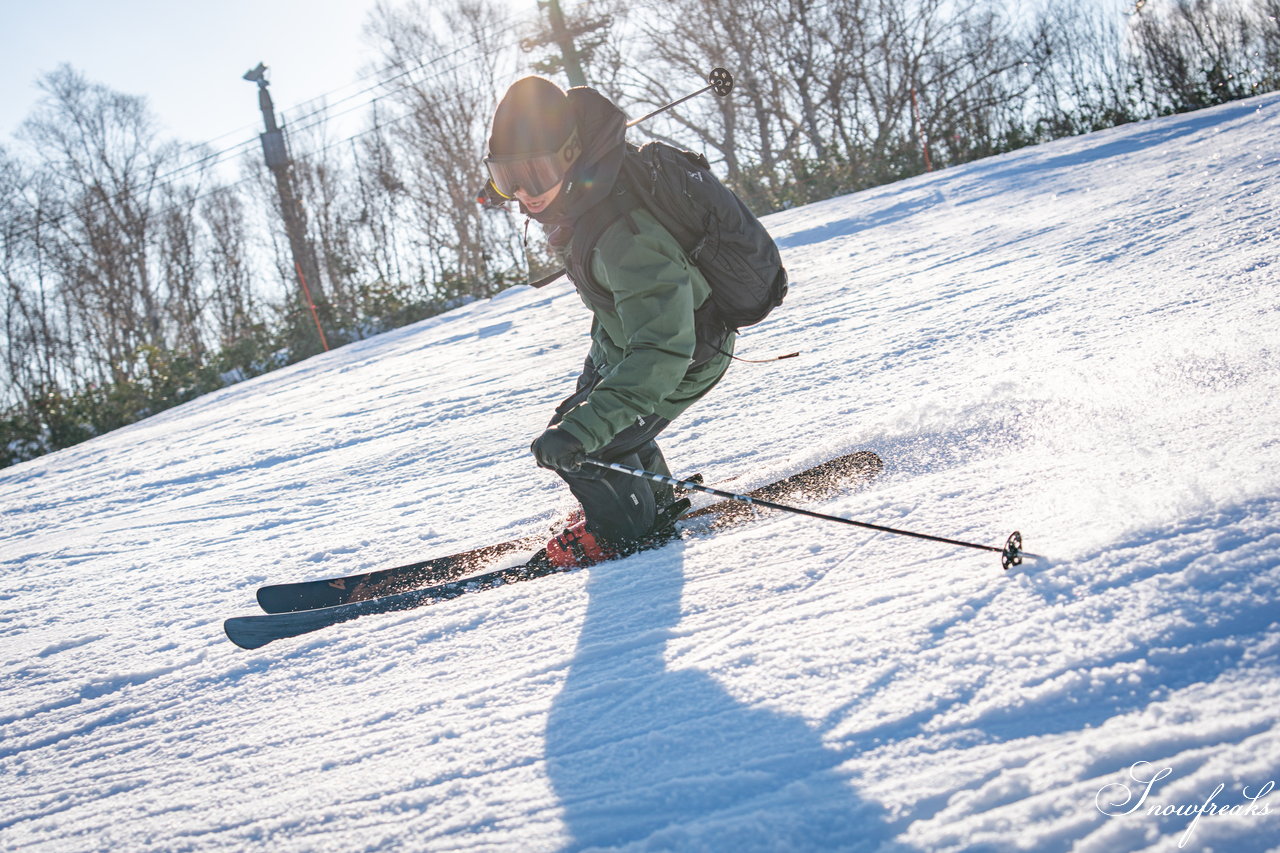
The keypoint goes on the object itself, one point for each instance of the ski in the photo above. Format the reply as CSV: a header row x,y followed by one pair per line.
x,y
330,592
252,632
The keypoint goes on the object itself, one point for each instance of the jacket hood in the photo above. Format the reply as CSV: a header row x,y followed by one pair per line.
x,y
602,127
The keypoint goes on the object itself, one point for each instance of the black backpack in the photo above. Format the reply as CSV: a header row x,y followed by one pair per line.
x,y
716,230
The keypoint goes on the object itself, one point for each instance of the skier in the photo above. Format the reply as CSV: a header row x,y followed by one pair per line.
x,y
559,154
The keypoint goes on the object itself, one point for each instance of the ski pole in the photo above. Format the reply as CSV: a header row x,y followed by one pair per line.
x,y
1010,555
721,83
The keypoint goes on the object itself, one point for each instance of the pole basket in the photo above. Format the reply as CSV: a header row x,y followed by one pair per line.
x,y
1012,553
721,81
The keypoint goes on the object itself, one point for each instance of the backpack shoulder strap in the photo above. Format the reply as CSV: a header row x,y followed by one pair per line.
x,y
588,230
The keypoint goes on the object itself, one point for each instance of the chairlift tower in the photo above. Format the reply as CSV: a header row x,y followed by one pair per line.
x,y
276,153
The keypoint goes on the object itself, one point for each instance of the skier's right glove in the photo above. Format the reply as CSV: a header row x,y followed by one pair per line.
x,y
558,450
490,199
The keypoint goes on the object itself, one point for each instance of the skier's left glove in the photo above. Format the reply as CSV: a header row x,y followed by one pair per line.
x,y
559,450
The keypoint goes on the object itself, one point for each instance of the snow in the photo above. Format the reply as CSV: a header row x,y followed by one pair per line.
x,y
1078,341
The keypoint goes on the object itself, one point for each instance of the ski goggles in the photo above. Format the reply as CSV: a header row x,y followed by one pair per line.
x,y
533,173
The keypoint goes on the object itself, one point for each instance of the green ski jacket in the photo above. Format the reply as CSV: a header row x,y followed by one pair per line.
x,y
643,345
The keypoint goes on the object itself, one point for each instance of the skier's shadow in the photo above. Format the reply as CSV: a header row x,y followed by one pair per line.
x,y
667,759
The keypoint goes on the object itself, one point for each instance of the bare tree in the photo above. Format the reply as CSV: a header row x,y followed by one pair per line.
x,y
326,181
379,190
235,303
1086,80
1197,53
975,83
30,341
178,267
102,165
750,134
1267,14
442,68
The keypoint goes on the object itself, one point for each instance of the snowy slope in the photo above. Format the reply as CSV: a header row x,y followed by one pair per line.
x,y
1077,340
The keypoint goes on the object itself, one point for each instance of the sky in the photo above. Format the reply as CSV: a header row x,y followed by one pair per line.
x,y
188,58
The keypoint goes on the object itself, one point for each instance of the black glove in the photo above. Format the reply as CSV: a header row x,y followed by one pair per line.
x,y
559,450
489,198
